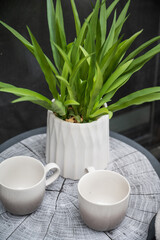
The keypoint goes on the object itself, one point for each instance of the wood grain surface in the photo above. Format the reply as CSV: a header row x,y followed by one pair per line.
x,y
58,216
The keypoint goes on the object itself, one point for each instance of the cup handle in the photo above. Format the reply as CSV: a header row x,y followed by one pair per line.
x,y
89,169
55,175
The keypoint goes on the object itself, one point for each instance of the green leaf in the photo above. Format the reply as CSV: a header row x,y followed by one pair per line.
x,y
81,92
51,65
123,13
76,17
5,85
69,88
140,61
65,57
71,102
89,86
99,112
76,69
27,44
23,92
26,95
136,65
114,88
34,100
49,76
118,72
106,98
121,20
118,30
109,41
98,38
97,85
121,80
79,40
19,36
51,16
121,50
106,60
86,54
110,8
23,99
124,46
58,107
63,80
91,34
103,23
65,74
136,98
140,49
78,118
60,23
91,48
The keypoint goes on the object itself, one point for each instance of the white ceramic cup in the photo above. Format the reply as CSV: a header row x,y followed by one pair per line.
x,y
103,199
22,183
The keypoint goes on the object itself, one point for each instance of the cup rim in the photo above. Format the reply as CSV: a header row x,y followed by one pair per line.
x,y
27,188
104,204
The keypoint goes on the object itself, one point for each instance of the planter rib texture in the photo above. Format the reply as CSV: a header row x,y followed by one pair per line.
x,y
76,146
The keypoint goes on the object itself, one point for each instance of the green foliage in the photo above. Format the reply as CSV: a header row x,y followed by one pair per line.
x,y
89,70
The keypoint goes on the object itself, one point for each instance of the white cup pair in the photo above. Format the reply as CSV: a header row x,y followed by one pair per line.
x,y
22,183
103,199
103,195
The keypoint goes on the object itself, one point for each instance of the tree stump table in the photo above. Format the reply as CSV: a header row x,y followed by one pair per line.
x,y
58,216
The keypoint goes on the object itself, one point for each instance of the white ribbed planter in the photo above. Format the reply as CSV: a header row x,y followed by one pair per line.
x,y
75,146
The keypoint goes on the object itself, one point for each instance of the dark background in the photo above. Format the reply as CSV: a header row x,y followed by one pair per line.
x,y
18,67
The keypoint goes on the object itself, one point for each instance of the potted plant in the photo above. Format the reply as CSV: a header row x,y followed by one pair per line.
x,y
83,78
